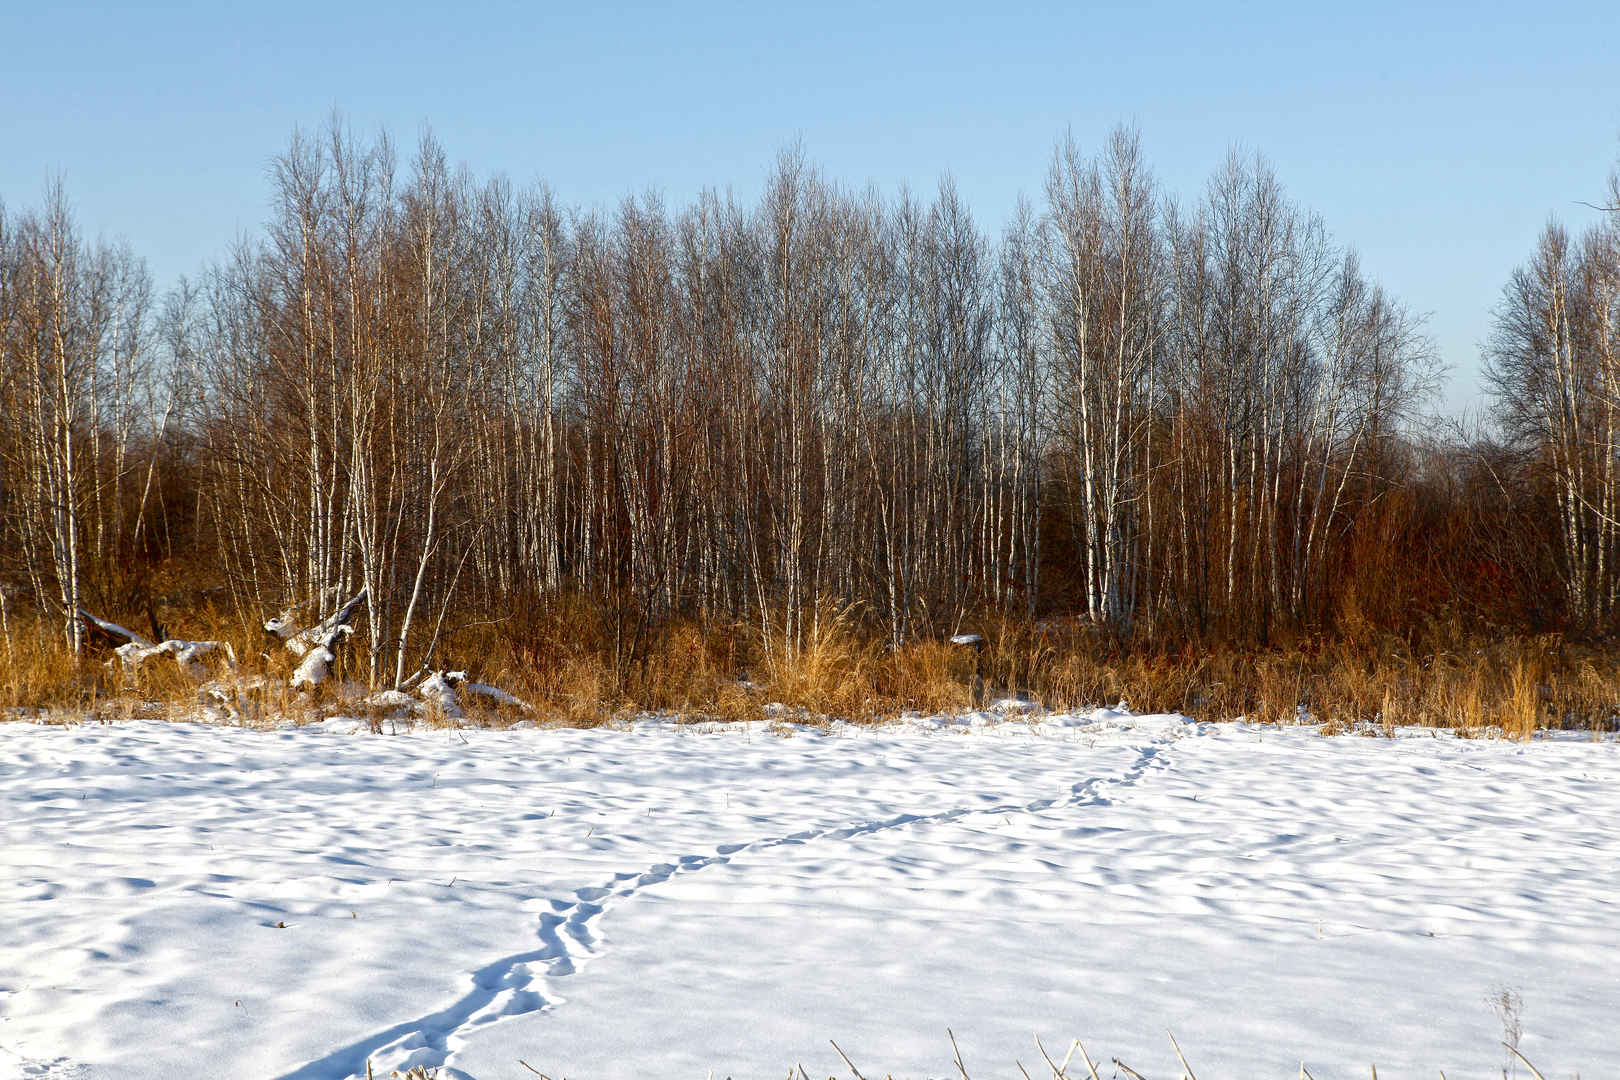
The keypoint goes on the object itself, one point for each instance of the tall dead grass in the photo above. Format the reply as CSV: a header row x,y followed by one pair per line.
x,y
37,670
563,660
39,675
581,665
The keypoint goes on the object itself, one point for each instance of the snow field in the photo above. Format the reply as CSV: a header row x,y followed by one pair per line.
x,y
193,901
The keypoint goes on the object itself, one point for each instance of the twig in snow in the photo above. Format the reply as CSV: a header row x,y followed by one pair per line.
x,y
1118,1064
1092,1069
1061,1072
1514,1050
848,1062
1188,1068
957,1053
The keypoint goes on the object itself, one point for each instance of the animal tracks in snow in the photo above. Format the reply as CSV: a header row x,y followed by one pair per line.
x,y
183,900
525,982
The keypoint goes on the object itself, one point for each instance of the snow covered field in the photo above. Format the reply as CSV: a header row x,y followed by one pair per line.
x,y
188,901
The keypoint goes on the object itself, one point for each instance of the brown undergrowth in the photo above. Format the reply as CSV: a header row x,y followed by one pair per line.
x,y
581,666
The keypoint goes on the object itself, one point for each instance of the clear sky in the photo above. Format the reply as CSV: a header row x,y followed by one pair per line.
x,y
1435,138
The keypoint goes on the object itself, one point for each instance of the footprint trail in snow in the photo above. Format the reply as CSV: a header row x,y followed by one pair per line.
x,y
523,983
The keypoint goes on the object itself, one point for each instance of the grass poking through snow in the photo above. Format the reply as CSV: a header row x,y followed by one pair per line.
x,y
1067,1069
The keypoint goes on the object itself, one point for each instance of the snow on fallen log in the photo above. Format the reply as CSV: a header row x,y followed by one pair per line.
x,y
439,689
315,645
282,628
187,654
111,634
391,699
318,660
134,650
443,689
497,695
301,641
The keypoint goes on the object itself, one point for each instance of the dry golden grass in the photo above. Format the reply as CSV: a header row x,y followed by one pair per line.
x,y
38,671
1515,685
582,666
929,676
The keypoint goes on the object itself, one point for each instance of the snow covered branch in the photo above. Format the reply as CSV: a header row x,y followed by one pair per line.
x,y
444,689
133,650
300,641
317,645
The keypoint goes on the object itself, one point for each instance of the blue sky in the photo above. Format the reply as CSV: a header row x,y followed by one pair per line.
x,y
1436,139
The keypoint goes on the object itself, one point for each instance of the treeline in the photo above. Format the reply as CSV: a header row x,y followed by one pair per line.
x,y
1553,361
1170,420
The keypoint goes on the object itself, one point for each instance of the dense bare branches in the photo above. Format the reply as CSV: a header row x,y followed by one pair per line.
x,y
460,397
75,401
1554,359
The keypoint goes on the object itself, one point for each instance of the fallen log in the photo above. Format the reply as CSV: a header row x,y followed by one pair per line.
x,y
300,641
439,689
133,650
109,635
316,646
444,690
188,654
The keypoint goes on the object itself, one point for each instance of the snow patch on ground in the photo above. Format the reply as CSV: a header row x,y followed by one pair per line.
x,y
668,898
